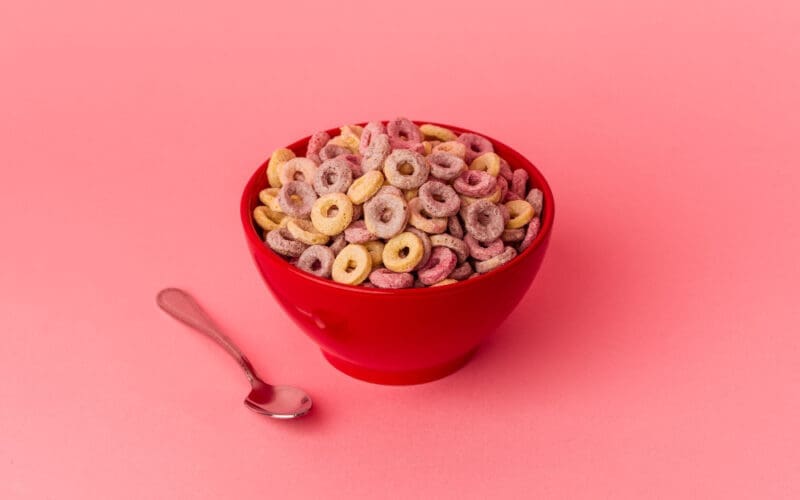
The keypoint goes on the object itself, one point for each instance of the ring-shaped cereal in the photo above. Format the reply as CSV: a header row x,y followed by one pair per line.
x,y
389,189
351,131
375,249
437,133
316,260
384,278
267,218
403,252
520,211
519,182
317,141
269,197
487,162
506,255
462,271
513,235
439,199
454,227
297,167
304,231
352,265
406,169
333,176
332,213
427,247
454,148
365,187
277,157
449,241
445,282
410,194
424,222
296,198
483,251
475,183
371,131
337,244
484,221
536,199
386,215
445,166
282,242
505,170
357,232
530,234
441,264
476,145
331,151
404,130
348,142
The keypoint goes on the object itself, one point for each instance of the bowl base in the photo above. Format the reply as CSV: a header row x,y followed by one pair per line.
x,y
398,378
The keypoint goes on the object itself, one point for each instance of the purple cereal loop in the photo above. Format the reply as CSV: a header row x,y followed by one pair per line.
x,y
439,266
502,183
531,233
420,219
454,227
419,169
333,176
376,154
354,162
304,191
445,166
316,260
330,151
506,214
483,251
416,147
498,260
475,183
358,211
419,284
357,232
519,182
536,199
512,235
337,244
386,215
403,129
484,221
505,170
281,241
427,247
439,199
509,196
315,144
461,272
449,241
371,130
476,145
384,278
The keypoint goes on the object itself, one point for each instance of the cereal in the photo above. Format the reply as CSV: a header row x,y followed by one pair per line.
x,y
316,260
403,252
349,142
459,247
484,221
483,251
487,162
454,148
505,170
462,271
281,241
269,197
439,266
333,176
330,151
530,234
296,198
485,266
375,249
427,247
445,166
410,194
357,232
439,199
535,198
448,281
422,221
368,135
304,231
384,278
315,144
365,186
521,213
512,235
266,218
405,169
278,157
386,215
352,265
354,162
332,213
297,169
475,183
454,227
403,134
437,133
337,243
519,182
475,145
389,189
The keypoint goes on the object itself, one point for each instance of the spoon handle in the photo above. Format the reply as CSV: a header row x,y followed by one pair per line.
x,y
183,307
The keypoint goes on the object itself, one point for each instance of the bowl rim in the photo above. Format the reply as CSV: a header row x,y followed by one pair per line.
x,y
251,233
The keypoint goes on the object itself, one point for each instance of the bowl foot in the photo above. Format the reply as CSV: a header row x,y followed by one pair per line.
x,y
419,376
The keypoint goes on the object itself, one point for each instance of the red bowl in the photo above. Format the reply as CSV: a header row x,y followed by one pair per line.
x,y
404,336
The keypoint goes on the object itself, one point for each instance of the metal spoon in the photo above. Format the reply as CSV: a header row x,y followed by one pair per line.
x,y
277,401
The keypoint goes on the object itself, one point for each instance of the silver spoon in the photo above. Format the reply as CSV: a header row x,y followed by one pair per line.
x,y
277,401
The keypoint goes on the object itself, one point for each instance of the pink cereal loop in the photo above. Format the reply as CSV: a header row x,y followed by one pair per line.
x,y
439,199
330,151
536,199
427,247
531,233
462,272
484,221
459,247
439,266
404,130
376,153
316,260
512,235
454,227
483,251
282,242
371,130
337,244
422,220
476,145
403,157
357,232
297,207
389,189
505,170
498,260
333,176
475,183
384,278
519,182
354,161
445,166
386,215
315,144
502,183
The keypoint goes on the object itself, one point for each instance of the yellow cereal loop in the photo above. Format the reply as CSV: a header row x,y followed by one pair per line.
x,y
375,249
402,253
278,157
351,130
410,194
352,265
365,186
453,147
350,142
488,162
438,133
269,197
428,147
303,231
332,213
448,281
267,218
469,200
520,212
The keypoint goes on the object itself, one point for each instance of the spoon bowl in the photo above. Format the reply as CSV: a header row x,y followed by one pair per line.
x,y
278,401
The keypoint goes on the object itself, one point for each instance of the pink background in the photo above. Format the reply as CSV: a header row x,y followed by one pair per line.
x,y
656,355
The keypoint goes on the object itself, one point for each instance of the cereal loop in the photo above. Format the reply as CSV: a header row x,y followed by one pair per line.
x,y
476,145
296,198
475,183
297,169
459,247
445,166
384,278
521,213
445,282
427,247
536,199
498,260
402,253
389,189
406,169
505,170
439,199
375,249
332,213
331,151
316,260
352,265
441,264
368,135
512,235
269,197
438,133
304,231
266,218
487,162
278,157
461,272
357,233
386,215
282,242
403,132
484,221
454,227
410,194
337,244
348,142
317,141
365,187
422,221
451,147
333,176
483,251
530,234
